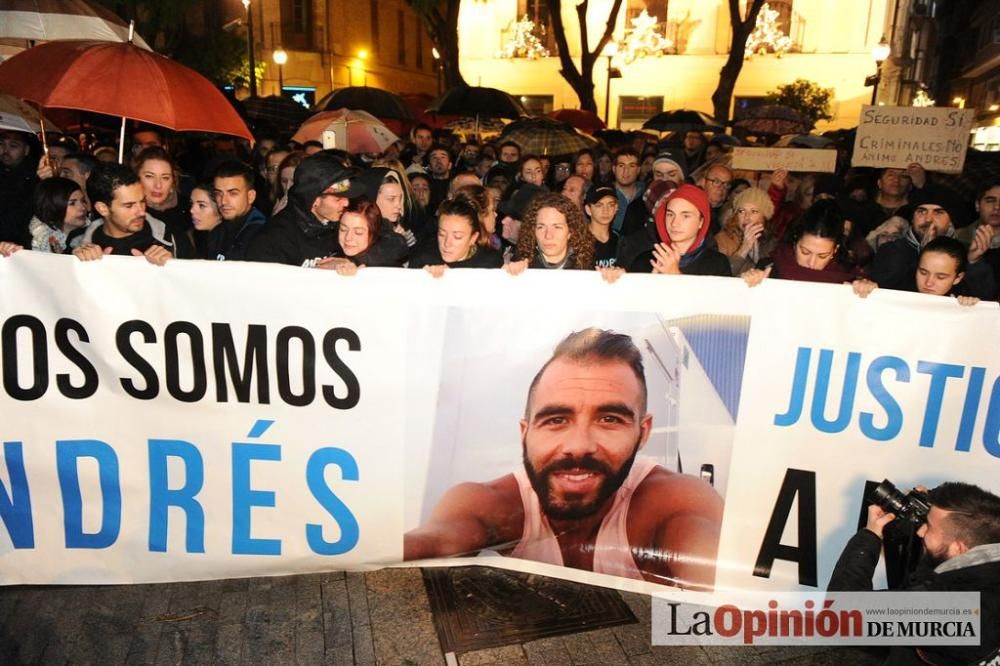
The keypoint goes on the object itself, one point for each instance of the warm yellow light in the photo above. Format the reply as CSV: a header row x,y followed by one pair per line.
x,y
363,54
280,56
434,53
610,49
246,4
959,102
994,107
881,51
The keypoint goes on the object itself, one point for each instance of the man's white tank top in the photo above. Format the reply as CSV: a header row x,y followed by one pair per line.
x,y
612,553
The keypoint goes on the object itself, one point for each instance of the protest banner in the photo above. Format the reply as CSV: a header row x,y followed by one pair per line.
x,y
936,138
215,420
792,159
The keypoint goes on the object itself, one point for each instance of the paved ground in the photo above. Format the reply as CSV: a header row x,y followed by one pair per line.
x,y
382,617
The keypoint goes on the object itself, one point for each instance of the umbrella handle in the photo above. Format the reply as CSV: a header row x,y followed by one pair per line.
x,y
121,143
45,143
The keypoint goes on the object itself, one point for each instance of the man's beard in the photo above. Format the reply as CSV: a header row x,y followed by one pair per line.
x,y
928,562
573,506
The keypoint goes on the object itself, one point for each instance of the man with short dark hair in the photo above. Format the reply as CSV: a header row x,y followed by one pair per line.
x,y
124,229
626,171
439,165
510,154
961,538
584,497
233,186
17,184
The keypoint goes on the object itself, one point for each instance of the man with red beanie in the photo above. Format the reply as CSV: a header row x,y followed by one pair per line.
x,y
677,238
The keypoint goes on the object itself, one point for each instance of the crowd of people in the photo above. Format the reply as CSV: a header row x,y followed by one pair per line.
x,y
439,202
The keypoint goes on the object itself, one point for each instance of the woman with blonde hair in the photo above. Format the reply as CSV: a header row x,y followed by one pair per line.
x,y
746,237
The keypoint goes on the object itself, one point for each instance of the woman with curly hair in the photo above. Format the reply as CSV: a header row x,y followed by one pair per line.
x,y
553,235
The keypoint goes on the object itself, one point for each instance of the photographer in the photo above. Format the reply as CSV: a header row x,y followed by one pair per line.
x,y
960,531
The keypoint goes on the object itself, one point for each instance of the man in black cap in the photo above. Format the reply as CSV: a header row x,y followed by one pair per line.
x,y
601,205
306,230
935,211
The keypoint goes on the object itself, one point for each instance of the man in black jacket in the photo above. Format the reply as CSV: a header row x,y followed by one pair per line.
x,y
962,554
306,230
935,211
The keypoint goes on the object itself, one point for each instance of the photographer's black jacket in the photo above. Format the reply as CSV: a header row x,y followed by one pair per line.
x,y
977,570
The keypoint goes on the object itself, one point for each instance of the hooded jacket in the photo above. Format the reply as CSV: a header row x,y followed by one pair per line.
x,y
636,253
295,236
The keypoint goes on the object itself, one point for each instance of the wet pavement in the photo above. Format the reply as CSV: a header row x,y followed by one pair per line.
x,y
484,616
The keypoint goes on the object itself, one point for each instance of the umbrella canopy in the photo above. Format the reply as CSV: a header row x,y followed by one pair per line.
x,y
585,121
120,79
280,111
546,136
682,120
477,101
775,119
355,131
48,20
484,128
20,117
380,103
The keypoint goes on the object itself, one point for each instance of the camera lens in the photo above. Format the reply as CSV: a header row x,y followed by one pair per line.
x,y
888,497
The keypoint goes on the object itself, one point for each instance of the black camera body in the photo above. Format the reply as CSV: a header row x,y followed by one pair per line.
x,y
911,507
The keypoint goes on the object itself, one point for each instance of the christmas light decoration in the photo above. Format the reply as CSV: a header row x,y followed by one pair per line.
x,y
524,43
922,98
642,40
767,35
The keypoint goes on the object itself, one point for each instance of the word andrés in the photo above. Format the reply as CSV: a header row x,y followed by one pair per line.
x,y
289,355
18,514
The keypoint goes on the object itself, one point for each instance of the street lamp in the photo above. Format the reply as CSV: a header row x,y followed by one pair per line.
x,y
280,57
610,51
880,53
250,58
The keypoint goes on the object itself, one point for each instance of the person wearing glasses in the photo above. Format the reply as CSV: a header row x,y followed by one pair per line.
x,y
717,181
305,231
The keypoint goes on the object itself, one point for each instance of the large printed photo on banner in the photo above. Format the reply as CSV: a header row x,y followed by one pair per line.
x,y
599,441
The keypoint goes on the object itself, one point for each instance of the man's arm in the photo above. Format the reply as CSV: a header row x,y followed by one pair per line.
x,y
856,565
680,541
470,517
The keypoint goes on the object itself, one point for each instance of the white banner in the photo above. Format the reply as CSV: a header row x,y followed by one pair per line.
x,y
207,420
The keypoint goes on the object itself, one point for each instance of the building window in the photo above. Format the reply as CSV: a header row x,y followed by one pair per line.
x,y
784,9
296,24
373,11
537,105
420,45
400,37
537,12
634,111
655,8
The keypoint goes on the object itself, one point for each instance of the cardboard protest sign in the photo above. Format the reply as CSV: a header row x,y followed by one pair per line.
x,y
822,160
897,136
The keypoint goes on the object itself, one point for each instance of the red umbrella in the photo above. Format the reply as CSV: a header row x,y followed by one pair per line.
x,y
586,121
120,79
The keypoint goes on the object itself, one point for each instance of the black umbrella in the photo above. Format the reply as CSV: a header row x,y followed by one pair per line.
x,y
682,120
281,112
477,101
380,103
